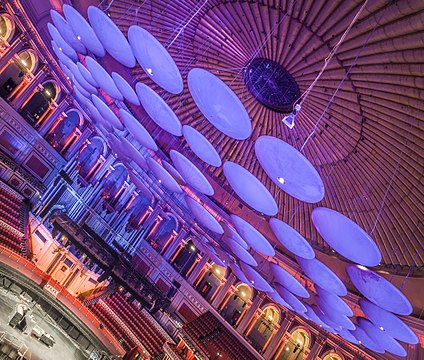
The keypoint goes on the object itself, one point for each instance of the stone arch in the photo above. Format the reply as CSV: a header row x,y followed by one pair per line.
x,y
38,105
263,328
89,156
63,133
7,27
295,344
332,355
15,72
236,303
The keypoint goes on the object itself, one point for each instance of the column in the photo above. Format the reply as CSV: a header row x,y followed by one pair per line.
x,y
57,113
150,234
206,268
276,341
181,246
33,86
11,49
317,347
247,318
196,268
231,291
174,245
223,291
71,152
172,237
152,217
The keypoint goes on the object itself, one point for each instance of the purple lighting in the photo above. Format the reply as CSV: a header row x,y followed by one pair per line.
x,y
249,188
83,31
125,89
81,79
332,301
66,31
161,174
291,239
62,44
140,185
378,290
252,236
381,338
322,276
219,104
255,279
201,146
155,60
190,173
334,316
289,169
390,323
292,300
86,74
137,131
158,110
233,234
346,237
203,216
240,253
111,37
107,113
101,76
287,280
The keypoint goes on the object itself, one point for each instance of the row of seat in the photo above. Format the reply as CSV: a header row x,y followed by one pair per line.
x,y
113,326
8,199
8,218
9,209
10,241
208,329
142,327
11,213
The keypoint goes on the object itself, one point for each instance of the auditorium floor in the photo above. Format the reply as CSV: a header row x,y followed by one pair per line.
x,y
64,348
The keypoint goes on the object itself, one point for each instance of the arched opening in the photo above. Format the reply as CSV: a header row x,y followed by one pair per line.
x,y
14,73
333,356
185,258
89,160
236,304
113,187
38,105
211,281
264,327
161,234
138,211
7,28
64,133
294,348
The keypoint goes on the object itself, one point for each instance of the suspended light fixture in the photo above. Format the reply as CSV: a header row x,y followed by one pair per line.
x,y
289,119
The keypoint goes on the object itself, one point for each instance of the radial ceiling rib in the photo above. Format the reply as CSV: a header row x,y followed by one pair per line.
x,y
369,134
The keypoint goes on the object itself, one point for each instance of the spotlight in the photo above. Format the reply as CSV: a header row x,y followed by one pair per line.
x,y
289,119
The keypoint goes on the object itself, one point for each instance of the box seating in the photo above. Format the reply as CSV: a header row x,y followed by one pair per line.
x,y
133,318
12,211
141,326
207,329
113,326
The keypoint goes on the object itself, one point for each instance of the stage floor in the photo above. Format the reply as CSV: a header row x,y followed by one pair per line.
x,y
64,348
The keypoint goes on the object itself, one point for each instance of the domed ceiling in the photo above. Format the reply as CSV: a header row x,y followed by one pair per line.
x,y
360,125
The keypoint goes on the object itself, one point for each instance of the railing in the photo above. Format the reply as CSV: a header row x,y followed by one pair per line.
x,y
87,316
